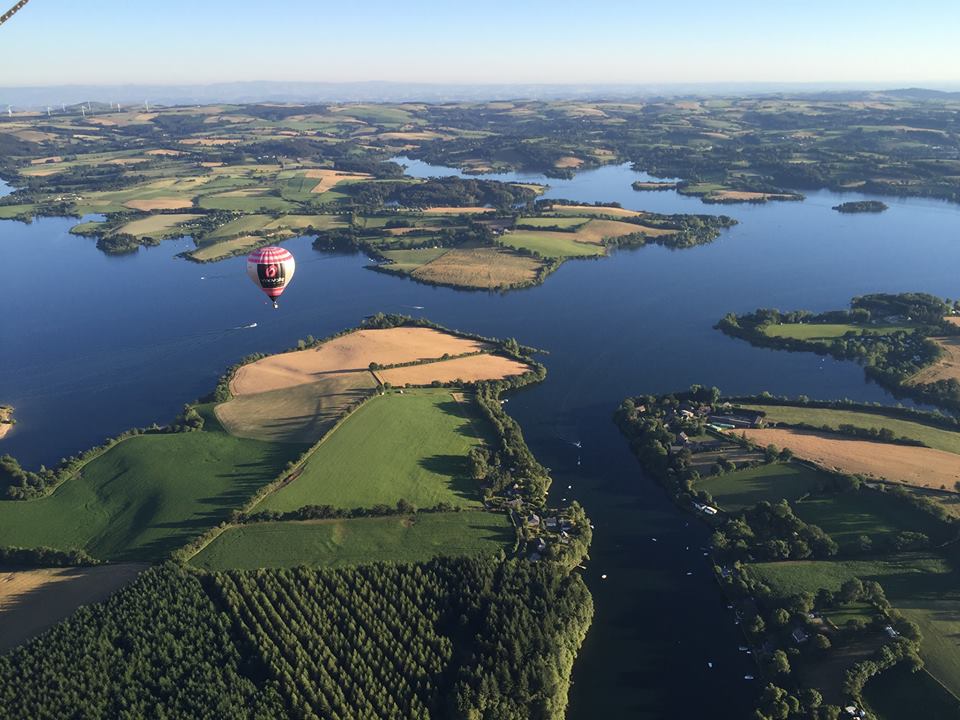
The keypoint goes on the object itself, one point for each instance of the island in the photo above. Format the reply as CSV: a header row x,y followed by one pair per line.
x,y
819,514
354,526
861,206
6,420
907,342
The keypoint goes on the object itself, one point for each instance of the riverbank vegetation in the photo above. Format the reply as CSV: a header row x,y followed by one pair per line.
x,y
861,206
898,339
832,574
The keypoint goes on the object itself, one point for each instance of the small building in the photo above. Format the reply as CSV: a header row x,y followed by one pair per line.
x,y
550,523
799,635
890,631
533,521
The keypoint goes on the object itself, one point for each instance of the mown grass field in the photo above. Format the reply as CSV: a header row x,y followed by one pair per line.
x,y
147,495
929,435
227,248
406,261
550,244
158,226
552,222
898,693
359,540
739,489
828,331
482,268
922,585
847,516
410,446
252,200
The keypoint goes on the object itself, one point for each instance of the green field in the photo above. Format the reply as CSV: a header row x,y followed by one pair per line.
x,y
245,203
847,516
242,225
929,435
550,244
923,586
898,693
157,226
147,495
409,446
828,331
740,489
358,540
552,222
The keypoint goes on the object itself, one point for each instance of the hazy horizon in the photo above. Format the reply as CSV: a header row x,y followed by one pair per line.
x,y
851,44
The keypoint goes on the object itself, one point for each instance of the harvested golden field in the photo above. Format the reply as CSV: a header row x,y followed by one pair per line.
x,y
596,231
35,135
744,195
487,268
6,420
466,369
456,210
160,203
163,151
568,161
917,466
329,179
211,164
594,210
354,351
44,161
947,367
300,414
33,600
156,223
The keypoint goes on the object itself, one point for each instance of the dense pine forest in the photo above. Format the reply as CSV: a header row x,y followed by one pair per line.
x,y
451,638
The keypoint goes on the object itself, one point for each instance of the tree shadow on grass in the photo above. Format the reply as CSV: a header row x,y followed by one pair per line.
x,y
456,468
472,425
243,480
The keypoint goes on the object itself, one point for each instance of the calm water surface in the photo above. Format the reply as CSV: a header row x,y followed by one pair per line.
x,y
93,344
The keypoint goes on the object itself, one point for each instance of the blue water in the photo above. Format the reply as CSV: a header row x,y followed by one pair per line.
x,y
93,344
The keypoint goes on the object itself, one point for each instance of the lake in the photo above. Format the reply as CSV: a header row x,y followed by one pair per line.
x,y
92,345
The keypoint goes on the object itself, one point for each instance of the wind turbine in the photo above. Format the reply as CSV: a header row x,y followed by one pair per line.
x,y
48,111
83,110
9,111
146,104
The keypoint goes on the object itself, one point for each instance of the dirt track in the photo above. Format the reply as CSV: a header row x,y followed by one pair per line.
x,y
917,466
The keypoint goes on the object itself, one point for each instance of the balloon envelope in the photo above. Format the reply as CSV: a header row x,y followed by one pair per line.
x,y
271,269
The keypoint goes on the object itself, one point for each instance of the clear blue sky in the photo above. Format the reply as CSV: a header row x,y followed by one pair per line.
x,y
542,41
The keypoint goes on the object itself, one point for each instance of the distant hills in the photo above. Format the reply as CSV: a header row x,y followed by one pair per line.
x,y
296,92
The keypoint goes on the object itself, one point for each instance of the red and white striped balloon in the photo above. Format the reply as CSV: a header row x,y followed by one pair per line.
x,y
271,268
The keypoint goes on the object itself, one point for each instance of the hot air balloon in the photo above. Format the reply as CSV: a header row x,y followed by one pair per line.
x,y
271,268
